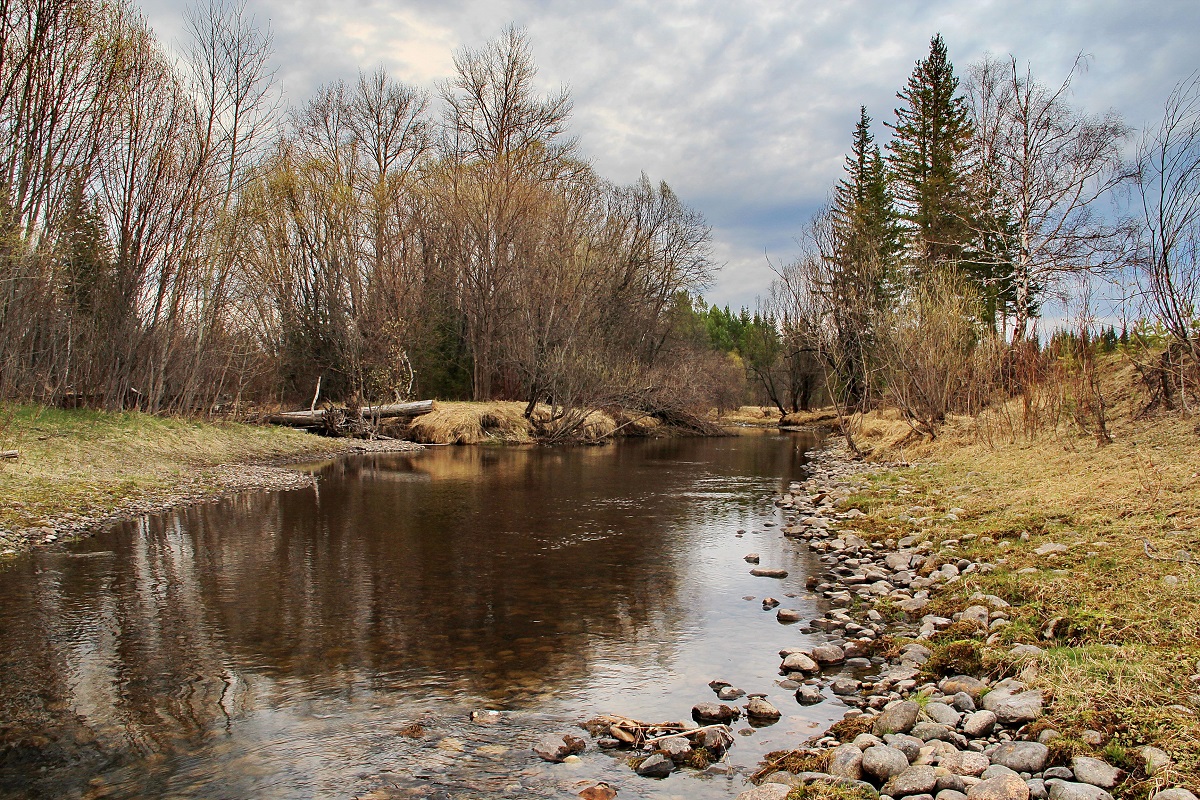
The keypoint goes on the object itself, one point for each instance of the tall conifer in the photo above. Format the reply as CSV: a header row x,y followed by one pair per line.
x,y
929,159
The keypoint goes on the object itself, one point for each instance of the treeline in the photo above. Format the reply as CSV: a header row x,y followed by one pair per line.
x,y
173,236
921,283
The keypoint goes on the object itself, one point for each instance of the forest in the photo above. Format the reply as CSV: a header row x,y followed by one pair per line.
x,y
176,237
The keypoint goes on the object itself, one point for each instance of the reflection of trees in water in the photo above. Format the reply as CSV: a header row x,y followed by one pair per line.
x,y
496,573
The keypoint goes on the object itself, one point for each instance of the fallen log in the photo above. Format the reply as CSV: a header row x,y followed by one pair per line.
x,y
313,418
10,453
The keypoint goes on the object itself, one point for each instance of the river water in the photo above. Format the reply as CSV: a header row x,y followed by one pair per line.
x,y
282,645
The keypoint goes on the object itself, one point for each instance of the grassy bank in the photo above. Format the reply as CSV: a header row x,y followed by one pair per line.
x,y
1097,546
80,465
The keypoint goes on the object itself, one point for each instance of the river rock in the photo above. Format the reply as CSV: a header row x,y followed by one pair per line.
x,y
844,686
760,708
975,614
882,762
1037,789
929,731
716,741
950,794
828,654
1014,709
555,747
965,762
898,718
799,662
1096,772
708,713
1178,793
768,791
909,745
1021,756
752,558
762,572
675,748
996,770
914,780
942,713
729,693
1002,787
846,762
656,766
1062,773
769,603
1066,790
963,683
1156,760
601,791
954,783
979,724
789,615
809,695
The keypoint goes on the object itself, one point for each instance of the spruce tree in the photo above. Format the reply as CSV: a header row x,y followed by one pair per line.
x,y
929,159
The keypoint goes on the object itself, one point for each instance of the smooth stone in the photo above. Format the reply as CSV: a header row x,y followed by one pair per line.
x,y
996,770
760,708
909,745
914,780
828,654
844,686
769,573
752,558
966,763
979,724
1156,760
899,718
846,762
1062,773
799,662
1066,790
950,794
769,602
928,731
1177,793
1014,709
1037,789
809,695
656,766
675,748
1021,756
1001,787
882,762
712,712
555,747
768,791
1096,772
950,782
789,615
942,714
865,740
963,683
729,693
962,701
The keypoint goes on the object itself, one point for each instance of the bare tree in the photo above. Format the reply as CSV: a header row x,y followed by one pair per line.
x,y
1045,164
1168,194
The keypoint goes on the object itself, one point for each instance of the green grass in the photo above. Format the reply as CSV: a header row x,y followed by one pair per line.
x,y
89,463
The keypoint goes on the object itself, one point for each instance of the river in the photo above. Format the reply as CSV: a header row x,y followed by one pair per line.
x,y
281,645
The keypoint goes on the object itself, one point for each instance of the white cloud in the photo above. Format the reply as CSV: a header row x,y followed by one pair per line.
x,y
745,109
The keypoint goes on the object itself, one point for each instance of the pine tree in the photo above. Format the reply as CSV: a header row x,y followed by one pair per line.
x,y
84,252
929,159
864,215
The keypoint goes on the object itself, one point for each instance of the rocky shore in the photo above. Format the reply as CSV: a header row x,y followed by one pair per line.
x,y
940,708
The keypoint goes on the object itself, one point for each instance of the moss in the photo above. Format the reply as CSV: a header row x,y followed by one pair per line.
x,y
958,657
848,729
828,791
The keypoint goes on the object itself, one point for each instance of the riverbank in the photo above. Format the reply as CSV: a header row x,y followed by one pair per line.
x,y
79,470
1050,572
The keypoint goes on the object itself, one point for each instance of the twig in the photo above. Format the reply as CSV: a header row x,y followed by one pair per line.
x,y
10,454
1148,547
683,732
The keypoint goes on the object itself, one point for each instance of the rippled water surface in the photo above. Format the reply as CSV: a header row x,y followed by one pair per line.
x,y
283,645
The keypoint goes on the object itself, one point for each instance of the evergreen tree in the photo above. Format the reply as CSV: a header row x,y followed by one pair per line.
x,y
929,160
864,215
84,252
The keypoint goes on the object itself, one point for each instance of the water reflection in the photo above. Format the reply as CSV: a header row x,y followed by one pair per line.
x,y
270,645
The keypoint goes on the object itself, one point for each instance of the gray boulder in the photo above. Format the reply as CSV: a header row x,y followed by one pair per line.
x,y
799,662
942,713
555,747
656,766
899,718
914,780
950,794
808,695
768,791
1001,787
676,748
846,762
979,724
963,683
1178,793
882,762
1021,756
759,708
1014,709
828,654
928,731
1066,790
1096,772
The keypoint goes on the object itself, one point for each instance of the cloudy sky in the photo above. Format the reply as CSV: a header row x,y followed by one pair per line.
x,y
746,109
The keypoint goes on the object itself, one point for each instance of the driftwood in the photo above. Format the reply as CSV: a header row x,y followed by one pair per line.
x,y
10,454
315,417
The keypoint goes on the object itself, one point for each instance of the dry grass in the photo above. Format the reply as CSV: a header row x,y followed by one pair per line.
x,y
503,422
88,463
1122,629
754,416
